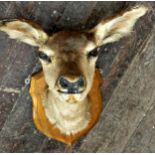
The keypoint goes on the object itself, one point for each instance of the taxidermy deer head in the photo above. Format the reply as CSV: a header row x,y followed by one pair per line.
x,y
68,59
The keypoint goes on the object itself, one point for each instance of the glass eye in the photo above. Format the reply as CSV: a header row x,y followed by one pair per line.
x,y
44,56
93,53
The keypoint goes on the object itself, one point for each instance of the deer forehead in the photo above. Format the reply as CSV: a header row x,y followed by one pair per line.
x,y
66,42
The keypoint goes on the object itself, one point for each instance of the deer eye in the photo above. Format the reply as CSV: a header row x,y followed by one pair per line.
x,y
93,53
43,56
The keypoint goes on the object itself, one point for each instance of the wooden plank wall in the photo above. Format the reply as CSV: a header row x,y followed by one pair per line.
x,y
127,123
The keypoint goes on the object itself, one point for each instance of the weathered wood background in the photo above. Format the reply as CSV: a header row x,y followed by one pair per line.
x,y
127,123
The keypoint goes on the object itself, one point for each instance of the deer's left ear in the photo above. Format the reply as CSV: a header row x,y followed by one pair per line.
x,y
118,27
24,32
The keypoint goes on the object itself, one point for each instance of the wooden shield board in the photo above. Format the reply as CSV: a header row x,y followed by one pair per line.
x,y
38,86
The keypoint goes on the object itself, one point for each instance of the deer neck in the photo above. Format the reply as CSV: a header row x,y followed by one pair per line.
x,y
69,118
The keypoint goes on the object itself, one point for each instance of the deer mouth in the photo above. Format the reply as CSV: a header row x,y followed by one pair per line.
x,y
70,96
68,92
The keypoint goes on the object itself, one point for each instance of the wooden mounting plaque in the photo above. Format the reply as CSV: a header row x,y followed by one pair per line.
x,y
42,123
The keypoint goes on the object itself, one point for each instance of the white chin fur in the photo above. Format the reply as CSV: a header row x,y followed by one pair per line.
x,y
71,98
68,116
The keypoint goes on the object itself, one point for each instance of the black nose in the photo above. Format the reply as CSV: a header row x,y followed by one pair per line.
x,y
71,86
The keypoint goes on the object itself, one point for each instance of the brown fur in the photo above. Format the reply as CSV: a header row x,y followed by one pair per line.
x,y
68,47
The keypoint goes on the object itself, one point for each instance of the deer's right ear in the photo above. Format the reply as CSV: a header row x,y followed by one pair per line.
x,y
24,32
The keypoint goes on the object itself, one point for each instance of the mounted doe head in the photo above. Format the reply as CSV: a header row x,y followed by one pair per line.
x,y
68,58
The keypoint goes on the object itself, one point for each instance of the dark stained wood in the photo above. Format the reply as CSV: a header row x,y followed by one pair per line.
x,y
6,103
143,139
72,19
17,60
53,16
16,64
18,133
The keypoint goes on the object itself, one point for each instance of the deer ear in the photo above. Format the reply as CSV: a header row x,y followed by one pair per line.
x,y
25,32
118,27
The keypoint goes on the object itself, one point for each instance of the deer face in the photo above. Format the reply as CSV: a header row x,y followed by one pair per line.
x,y
68,58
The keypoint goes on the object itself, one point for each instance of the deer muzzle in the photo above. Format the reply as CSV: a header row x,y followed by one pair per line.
x,y
71,85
